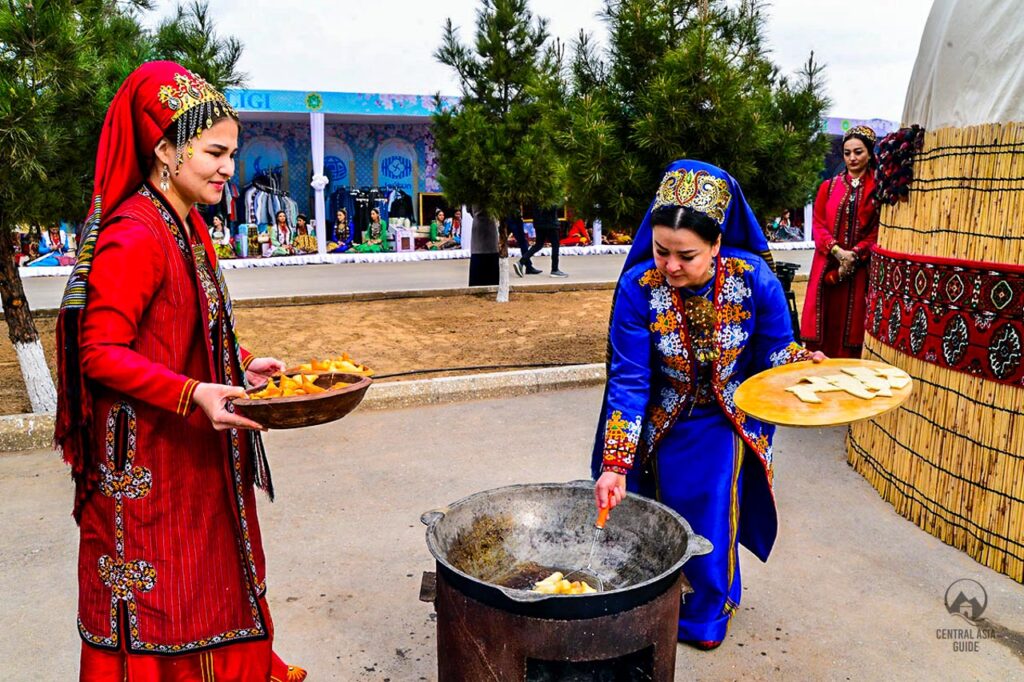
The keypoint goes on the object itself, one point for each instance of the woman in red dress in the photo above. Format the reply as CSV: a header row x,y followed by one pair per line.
x,y
845,228
578,235
171,568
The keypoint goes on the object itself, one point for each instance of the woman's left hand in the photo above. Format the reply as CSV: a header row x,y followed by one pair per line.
x,y
817,356
261,369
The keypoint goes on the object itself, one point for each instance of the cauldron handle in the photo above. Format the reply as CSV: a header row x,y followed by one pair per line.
x,y
431,517
428,587
698,545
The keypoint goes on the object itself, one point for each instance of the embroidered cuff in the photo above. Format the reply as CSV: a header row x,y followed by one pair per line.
x,y
828,246
794,352
620,440
246,361
863,251
185,405
614,469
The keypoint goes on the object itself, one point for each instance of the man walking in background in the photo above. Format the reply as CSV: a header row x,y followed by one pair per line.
x,y
545,223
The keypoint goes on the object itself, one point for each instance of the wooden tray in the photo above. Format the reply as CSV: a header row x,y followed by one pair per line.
x,y
306,410
764,396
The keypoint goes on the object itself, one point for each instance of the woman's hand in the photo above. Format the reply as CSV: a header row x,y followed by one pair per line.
x,y
817,356
610,490
213,400
847,260
261,369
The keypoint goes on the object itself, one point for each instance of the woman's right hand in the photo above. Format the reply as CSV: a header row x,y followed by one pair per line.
x,y
609,490
213,399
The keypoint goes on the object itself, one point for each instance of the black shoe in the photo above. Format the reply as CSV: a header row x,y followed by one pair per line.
x,y
558,273
517,267
530,270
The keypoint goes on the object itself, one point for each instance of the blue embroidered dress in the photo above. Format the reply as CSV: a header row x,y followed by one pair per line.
x,y
669,421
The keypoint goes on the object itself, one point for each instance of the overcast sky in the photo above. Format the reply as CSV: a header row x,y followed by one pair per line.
x,y
387,45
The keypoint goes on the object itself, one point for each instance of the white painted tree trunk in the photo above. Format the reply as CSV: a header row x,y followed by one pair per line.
x,y
41,391
503,280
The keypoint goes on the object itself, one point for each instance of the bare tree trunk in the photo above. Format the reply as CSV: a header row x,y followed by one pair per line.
x,y
503,284
22,330
483,259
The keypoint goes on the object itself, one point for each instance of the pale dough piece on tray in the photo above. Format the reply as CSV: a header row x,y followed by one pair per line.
x,y
861,382
820,384
804,392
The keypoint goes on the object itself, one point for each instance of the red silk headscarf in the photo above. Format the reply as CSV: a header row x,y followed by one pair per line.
x,y
146,104
153,97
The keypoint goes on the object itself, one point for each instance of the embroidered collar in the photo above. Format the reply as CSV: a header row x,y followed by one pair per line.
x,y
159,197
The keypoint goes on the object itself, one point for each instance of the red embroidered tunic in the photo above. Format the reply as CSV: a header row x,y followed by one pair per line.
x,y
171,559
833,315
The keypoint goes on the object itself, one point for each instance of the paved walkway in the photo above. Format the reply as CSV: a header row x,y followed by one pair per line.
x,y
309,280
852,590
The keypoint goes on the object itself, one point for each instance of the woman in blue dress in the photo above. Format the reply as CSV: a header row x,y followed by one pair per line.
x,y
697,311
342,239
54,246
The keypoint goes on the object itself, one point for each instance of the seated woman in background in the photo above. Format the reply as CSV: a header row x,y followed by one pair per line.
x,y
457,226
341,241
53,247
281,237
30,246
304,242
373,237
442,233
220,235
578,235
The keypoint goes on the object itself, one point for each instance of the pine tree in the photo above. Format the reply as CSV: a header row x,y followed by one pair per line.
x,y
190,38
495,147
686,78
61,62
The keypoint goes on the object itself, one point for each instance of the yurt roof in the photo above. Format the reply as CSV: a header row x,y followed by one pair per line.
x,y
969,68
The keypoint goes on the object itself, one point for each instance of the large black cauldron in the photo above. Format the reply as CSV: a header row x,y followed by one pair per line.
x,y
492,545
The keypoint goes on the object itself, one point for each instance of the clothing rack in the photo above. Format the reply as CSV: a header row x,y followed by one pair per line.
x,y
265,196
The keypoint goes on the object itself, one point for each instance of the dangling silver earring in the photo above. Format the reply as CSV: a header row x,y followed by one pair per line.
x,y
165,178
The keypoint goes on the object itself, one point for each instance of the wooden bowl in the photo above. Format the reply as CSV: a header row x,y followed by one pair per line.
x,y
306,410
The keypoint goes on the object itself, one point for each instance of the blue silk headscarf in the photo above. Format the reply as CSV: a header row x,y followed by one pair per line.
x,y
740,230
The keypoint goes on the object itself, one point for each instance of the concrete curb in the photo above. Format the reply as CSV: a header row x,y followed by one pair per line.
x,y
25,431
396,394
35,431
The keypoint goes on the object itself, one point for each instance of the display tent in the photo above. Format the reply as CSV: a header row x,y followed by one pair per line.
x,y
316,143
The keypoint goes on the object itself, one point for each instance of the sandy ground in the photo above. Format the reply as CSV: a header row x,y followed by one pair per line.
x,y
406,334
852,590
